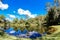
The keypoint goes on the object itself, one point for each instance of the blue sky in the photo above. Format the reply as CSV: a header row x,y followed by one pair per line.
x,y
25,7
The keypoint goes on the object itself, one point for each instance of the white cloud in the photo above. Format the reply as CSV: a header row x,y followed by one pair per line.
x,y
3,6
8,19
11,16
26,12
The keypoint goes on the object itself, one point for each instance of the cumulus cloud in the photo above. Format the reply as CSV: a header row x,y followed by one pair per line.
x,y
3,6
8,19
26,12
11,16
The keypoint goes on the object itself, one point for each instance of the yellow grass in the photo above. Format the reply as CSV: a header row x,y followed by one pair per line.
x,y
58,29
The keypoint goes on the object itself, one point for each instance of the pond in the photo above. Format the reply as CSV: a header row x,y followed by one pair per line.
x,y
24,34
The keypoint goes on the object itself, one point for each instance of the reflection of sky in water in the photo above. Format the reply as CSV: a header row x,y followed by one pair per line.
x,y
23,33
11,30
